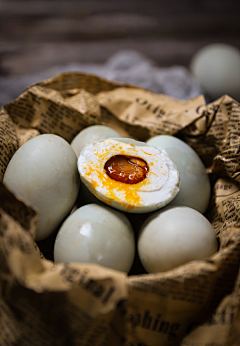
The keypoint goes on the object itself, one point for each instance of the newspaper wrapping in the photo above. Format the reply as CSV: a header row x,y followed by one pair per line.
x,y
196,304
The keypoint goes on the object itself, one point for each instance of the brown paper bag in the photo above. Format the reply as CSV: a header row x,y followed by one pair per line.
x,y
42,303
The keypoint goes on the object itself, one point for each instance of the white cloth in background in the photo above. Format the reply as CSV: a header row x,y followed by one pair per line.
x,y
127,66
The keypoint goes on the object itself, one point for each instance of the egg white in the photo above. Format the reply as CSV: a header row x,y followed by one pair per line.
x,y
159,187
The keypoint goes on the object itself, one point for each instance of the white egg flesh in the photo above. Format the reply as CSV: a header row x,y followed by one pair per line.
x,y
128,175
195,188
96,234
174,236
92,134
44,172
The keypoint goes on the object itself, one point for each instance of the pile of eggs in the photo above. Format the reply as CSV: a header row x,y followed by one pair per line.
x,y
112,178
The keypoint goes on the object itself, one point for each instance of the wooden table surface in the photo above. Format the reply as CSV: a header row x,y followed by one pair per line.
x,y
36,35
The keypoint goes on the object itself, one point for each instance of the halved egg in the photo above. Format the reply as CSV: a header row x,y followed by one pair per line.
x,y
128,175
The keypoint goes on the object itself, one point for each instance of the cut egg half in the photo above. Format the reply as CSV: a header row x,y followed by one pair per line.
x,y
128,175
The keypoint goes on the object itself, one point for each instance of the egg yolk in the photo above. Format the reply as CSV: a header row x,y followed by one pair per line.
x,y
126,169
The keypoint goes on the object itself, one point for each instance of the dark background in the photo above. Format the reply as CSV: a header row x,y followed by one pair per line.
x,y
36,35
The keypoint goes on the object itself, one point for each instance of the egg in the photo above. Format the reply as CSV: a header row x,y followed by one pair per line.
x,y
91,134
96,234
128,175
44,172
217,68
174,236
195,188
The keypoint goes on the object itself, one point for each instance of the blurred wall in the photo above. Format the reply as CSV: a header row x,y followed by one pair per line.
x,y
38,34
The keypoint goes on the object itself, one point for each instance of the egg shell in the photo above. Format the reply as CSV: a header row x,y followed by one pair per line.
x,y
217,68
174,236
44,172
159,187
96,234
195,187
91,134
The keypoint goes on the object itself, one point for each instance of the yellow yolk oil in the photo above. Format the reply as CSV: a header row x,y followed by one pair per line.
x,y
114,189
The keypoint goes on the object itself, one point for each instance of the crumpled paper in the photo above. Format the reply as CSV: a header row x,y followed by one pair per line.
x,y
196,304
126,66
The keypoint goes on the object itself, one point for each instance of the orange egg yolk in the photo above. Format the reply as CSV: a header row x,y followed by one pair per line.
x,y
126,169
